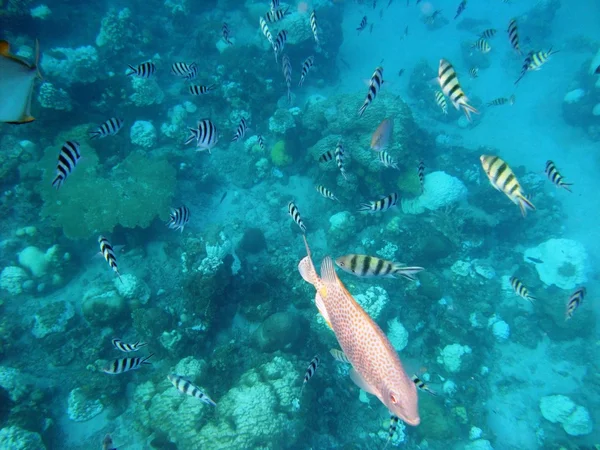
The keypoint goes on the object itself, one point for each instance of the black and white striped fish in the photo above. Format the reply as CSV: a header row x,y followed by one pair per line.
x,y
339,158
555,177
474,72
440,99
205,135
310,371
421,174
143,70
274,5
370,266
308,63
286,66
277,15
489,33
451,87
265,30
421,385
574,301
192,74
123,365
67,160
502,101
295,214
313,26
109,254
513,35
380,205
326,192
109,128
279,43
127,348
386,159
392,429
374,86
261,142
362,25
182,69
201,89
339,355
461,8
521,290
535,61
186,387
240,132
226,33
482,45
179,218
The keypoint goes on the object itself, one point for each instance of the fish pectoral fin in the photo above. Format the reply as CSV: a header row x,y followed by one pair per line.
x,y
321,307
304,267
360,381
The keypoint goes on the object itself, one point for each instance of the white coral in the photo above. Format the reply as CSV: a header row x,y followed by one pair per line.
x,y
439,190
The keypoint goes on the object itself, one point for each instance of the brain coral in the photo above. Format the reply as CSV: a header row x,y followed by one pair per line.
x,y
94,199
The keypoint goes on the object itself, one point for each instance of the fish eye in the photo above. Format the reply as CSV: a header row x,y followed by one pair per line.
x,y
342,264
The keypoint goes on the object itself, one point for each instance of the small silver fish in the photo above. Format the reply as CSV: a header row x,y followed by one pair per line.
x,y
127,348
179,218
310,371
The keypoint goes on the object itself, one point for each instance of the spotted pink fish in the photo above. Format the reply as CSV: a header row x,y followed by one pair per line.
x,y
376,367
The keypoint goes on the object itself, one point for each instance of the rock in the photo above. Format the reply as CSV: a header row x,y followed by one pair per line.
x,y
52,318
281,331
15,438
80,408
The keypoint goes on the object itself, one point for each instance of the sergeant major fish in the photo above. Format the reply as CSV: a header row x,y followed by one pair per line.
x,y
182,69
362,25
421,175
374,87
240,132
370,266
440,99
279,43
386,159
482,45
265,30
521,290
314,27
143,70
535,61
451,87
277,15
502,101
109,128
376,367
179,218
205,135
574,301
127,348
186,387
308,63
326,192
286,67
67,160
123,365
109,255
339,158
310,371
200,89
461,8
295,215
380,205
513,35
555,177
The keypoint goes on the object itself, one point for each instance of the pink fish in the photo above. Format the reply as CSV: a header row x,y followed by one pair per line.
x,y
381,138
376,367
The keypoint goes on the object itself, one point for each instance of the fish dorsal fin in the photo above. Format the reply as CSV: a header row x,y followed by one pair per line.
x,y
321,307
328,274
360,381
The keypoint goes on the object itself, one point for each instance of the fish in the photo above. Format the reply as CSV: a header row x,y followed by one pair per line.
x,y
186,387
401,72
430,20
489,33
474,72
193,73
382,135
127,348
279,43
421,175
574,301
205,134
504,180
326,192
143,70
274,5
326,157
535,260
369,266
362,25
295,214
107,443
451,87
597,71
313,26
371,29
310,371
461,8
261,142
265,30
339,355
502,101
308,63
376,367
386,159
339,158
109,254
240,131
392,429
225,32
535,61
223,197
374,86
277,15
286,67
482,45
17,78
440,99
179,218
555,176
68,158
513,35
521,290
422,386
109,128
182,69
123,365
380,205
200,89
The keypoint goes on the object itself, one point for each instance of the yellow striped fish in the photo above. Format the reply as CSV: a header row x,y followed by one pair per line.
x,y
451,87
482,45
535,61
474,72
513,35
380,205
502,101
575,300
295,215
441,101
326,192
502,178
521,290
370,266
555,176
374,86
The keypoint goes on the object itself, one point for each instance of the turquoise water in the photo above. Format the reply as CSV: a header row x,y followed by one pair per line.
x,y
221,303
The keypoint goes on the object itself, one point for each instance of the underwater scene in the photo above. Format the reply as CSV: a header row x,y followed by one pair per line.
x,y
320,224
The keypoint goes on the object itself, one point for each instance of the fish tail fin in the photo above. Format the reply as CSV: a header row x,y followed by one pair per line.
x,y
520,77
524,204
468,109
57,182
141,344
365,207
531,298
133,70
119,276
306,267
407,272
566,187
94,134
363,108
145,360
